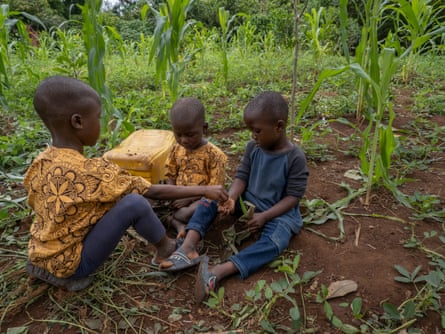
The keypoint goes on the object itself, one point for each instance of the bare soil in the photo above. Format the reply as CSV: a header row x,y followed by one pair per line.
x,y
373,244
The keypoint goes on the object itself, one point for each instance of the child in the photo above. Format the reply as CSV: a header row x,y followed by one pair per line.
x,y
193,160
83,206
273,176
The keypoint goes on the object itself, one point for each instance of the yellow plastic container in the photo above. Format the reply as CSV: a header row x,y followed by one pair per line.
x,y
144,153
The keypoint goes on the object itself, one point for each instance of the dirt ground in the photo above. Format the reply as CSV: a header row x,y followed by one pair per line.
x,y
372,246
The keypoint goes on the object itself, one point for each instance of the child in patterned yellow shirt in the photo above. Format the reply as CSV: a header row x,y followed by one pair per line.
x,y
83,205
193,160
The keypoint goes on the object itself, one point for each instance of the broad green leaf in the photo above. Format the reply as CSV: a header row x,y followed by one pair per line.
x,y
391,312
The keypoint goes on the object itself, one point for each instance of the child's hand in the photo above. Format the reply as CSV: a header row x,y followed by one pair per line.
x,y
258,220
181,203
218,193
227,207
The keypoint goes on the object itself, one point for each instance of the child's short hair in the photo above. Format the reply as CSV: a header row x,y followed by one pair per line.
x,y
58,97
269,105
187,108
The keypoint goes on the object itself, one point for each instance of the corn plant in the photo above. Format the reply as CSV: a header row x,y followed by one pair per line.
x,y
7,22
245,38
314,35
71,58
171,28
94,40
5,25
343,16
375,67
418,22
367,45
227,30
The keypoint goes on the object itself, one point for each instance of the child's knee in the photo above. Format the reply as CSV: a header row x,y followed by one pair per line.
x,y
184,214
135,202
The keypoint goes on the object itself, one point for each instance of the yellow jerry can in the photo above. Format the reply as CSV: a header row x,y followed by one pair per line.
x,y
144,153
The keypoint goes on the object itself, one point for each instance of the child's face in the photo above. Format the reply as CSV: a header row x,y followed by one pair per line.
x,y
189,135
267,135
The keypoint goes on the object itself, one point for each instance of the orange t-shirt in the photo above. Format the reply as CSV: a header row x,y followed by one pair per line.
x,y
69,193
204,166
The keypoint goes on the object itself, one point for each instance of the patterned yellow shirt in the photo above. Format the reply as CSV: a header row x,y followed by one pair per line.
x,y
69,193
203,166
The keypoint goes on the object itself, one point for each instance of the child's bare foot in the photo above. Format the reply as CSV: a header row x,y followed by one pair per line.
x,y
181,259
164,249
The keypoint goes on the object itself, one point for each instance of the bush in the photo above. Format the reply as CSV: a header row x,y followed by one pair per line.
x,y
131,30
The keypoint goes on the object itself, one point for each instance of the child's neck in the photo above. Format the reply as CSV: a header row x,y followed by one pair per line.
x,y
68,145
282,146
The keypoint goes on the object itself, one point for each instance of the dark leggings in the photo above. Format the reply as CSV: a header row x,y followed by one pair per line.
x,y
132,210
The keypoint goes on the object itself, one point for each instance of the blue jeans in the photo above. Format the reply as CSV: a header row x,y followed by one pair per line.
x,y
274,239
132,210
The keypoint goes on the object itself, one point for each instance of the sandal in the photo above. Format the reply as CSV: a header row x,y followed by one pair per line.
x,y
205,281
70,284
180,261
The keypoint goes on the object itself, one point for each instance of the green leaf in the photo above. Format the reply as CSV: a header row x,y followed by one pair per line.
x,y
349,329
356,307
391,311
267,326
309,275
409,310
402,270
337,322
328,310
17,330
276,286
295,315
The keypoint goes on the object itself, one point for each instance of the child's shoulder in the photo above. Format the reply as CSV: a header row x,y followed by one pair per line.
x,y
209,146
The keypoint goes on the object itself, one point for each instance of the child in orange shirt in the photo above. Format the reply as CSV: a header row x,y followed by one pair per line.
x,y
83,206
193,160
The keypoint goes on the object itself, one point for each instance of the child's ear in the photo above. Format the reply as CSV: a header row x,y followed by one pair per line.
x,y
281,125
76,121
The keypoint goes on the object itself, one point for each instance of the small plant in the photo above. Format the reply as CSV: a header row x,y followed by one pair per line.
x,y
260,301
336,321
317,211
315,34
427,206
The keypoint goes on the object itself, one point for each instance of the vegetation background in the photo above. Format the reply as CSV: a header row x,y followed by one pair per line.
x,y
365,83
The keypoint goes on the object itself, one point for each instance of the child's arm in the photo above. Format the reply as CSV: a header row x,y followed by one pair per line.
x,y
283,206
165,191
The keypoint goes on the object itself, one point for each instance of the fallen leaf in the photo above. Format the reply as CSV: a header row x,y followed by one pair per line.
x,y
341,288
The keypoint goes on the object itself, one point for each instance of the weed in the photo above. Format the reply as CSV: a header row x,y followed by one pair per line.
x,y
259,302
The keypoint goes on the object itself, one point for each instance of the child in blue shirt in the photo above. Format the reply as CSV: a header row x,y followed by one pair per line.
x,y
272,176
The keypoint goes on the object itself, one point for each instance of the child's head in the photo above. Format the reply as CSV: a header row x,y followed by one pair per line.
x,y
187,117
266,116
70,110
